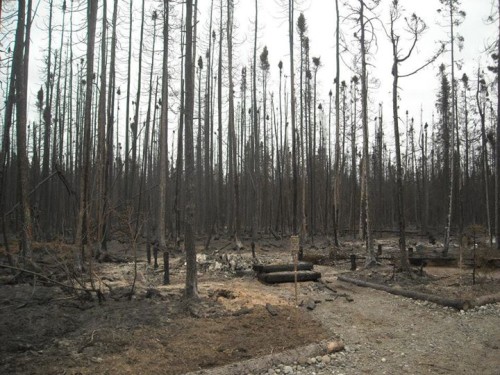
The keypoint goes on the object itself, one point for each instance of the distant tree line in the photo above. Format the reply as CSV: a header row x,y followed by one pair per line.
x,y
210,145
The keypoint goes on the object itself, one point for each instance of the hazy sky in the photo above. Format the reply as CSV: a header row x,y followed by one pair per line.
x,y
416,91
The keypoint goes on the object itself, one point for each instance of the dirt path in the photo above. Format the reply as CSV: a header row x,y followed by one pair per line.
x,y
387,334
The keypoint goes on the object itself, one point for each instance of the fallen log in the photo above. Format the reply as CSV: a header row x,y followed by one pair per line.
x,y
459,304
288,277
433,261
268,268
485,300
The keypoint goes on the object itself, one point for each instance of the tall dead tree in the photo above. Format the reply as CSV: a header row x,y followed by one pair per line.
x,y
107,188
256,135
415,27
163,138
101,133
191,289
207,131
233,163
291,20
220,175
135,124
20,66
497,143
82,230
370,259
336,193
127,105
455,18
481,93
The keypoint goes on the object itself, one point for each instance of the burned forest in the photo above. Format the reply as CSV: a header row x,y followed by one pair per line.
x,y
229,187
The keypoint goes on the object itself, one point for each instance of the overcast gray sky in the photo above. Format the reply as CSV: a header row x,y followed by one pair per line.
x,y
416,91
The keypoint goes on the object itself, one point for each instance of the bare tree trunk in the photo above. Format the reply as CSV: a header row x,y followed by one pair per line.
x,y
220,178
20,65
180,152
82,230
191,290
370,259
5,151
336,193
101,137
135,124
127,108
293,117
109,141
481,107
144,179
399,171
47,118
256,137
447,237
233,171
207,164
354,82
162,212
497,144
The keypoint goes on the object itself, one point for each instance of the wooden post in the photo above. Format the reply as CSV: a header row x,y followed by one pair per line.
x,y
294,246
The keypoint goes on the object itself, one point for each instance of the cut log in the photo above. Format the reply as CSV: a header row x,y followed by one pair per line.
x,y
288,277
268,268
458,304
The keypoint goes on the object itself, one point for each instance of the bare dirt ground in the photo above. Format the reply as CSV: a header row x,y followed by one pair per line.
x,y
47,330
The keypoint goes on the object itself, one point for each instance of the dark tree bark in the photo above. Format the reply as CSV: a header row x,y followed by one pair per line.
x,y
370,259
101,132
336,193
220,176
20,66
135,123
127,107
82,230
497,144
191,289
256,135
162,212
291,20
233,172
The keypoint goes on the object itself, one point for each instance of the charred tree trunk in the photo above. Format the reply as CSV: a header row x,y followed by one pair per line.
x,y
162,212
191,289
82,229
20,66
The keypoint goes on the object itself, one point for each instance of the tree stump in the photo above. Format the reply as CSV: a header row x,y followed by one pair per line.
x,y
353,262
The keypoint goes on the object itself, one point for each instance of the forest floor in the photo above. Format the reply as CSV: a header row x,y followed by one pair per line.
x,y
242,326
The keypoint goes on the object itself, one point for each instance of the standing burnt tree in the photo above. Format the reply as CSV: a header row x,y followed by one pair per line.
x,y
191,290
20,66
82,230
415,27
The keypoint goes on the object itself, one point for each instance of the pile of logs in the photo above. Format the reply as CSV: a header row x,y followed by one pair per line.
x,y
285,273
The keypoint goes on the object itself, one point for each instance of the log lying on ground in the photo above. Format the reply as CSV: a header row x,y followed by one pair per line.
x,y
262,364
433,261
268,268
459,304
288,277
485,300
